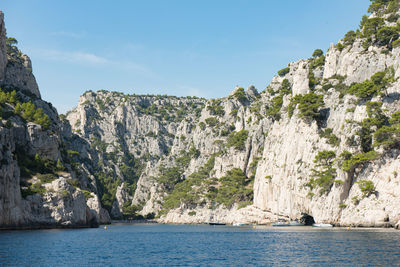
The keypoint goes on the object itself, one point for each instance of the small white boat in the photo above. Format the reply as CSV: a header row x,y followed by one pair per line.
x,y
291,223
296,223
238,224
280,224
322,225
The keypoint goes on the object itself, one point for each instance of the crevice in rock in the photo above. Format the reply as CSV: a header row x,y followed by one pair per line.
x,y
248,158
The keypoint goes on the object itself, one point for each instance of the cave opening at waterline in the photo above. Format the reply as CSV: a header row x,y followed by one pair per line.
x,y
307,219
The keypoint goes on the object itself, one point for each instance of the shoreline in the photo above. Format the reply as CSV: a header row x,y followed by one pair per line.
x,y
43,227
144,221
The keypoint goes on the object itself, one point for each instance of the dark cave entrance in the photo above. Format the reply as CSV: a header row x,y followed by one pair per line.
x,y
307,219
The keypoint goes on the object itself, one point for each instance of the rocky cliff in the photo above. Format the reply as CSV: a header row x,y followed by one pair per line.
x,y
321,143
38,186
320,140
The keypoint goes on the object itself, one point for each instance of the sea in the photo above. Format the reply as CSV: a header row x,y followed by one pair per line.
x,y
200,245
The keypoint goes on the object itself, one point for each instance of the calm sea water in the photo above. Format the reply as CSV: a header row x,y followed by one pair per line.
x,y
166,245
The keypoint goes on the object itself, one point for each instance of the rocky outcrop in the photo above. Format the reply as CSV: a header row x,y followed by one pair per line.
x,y
247,215
11,209
18,74
15,67
356,64
3,51
39,186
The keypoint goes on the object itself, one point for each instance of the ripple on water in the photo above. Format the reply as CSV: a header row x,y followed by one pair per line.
x,y
199,245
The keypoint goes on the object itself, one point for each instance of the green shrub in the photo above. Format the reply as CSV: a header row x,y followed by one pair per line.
x,y
226,131
318,59
240,95
202,125
286,88
211,121
388,136
372,25
74,182
323,176
396,43
72,153
215,108
312,81
274,109
46,178
183,161
59,165
367,187
349,38
31,166
29,112
363,90
363,21
234,112
309,105
41,119
238,139
191,190
393,17
379,6
376,119
373,86
392,6
169,177
192,213
293,103
339,46
129,211
355,200
33,189
8,97
234,187
11,41
358,160
87,194
317,53
151,134
386,35
327,86
283,72
332,138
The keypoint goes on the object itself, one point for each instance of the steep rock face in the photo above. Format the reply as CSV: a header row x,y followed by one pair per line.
x,y
15,67
3,51
10,196
34,192
18,74
128,143
273,140
356,64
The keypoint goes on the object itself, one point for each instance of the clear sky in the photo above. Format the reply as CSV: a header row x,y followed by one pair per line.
x,y
174,47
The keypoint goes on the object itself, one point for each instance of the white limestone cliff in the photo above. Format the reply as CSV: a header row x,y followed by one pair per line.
x,y
59,204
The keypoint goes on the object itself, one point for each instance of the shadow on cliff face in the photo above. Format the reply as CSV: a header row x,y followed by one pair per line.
x,y
391,97
322,118
307,219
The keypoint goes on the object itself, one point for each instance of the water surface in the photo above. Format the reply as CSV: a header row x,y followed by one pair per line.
x,y
166,245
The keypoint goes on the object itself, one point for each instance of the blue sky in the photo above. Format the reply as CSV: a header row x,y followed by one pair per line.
x,y
175,47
